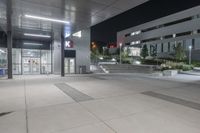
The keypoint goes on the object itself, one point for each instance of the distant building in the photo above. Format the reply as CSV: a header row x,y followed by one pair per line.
x,y
163,34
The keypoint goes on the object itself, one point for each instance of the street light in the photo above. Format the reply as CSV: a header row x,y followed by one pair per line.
x,y
104,51
120,45
190,54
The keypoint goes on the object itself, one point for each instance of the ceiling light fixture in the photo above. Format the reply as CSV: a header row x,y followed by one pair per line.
x,y
46,19
36,44
37,35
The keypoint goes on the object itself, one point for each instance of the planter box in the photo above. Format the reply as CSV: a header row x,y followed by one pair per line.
x,y
157,74
170,72
196,69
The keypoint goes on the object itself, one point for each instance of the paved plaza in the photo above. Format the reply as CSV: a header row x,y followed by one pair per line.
x,y
100,103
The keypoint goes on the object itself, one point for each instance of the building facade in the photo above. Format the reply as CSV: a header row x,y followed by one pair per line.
x,y
48,56
162,35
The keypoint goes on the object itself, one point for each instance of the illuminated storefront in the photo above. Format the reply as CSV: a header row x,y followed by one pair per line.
x,y
31,61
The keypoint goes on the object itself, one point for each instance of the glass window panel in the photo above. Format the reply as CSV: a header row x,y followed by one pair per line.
x,y
3,62
45,61
31,53
16,61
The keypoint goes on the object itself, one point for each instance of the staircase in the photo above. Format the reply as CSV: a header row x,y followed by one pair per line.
x,y
127,68
96,69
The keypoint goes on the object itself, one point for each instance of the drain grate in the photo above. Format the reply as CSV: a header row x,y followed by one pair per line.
x,y
171,99
73,93
5,113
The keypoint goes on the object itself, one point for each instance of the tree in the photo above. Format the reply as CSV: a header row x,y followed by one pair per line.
x,y
128,51
179,52
144,51
153,51
124,54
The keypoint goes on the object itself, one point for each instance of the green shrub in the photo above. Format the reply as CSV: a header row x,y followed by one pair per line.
x,y
172,65
126,62
196,63
187,67
151,62
168,65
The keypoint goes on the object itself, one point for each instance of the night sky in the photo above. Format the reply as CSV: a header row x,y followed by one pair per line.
x,y
107,31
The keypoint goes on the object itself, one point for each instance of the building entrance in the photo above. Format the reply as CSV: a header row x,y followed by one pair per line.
x,y
31,61
31,65
69,65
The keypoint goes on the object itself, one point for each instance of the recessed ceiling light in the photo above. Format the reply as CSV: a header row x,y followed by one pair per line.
x,y
46,19
37,35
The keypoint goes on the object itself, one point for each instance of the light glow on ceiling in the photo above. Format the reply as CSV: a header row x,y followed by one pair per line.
x,y
2,51
77,34
46,19
37,35
36,44
67,35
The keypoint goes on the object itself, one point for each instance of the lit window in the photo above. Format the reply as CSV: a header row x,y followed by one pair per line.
x,y
135,42
135,33
132,43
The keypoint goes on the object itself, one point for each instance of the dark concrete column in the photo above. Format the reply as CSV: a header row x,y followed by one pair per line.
x,y
62,54
52,40
63,42
9,37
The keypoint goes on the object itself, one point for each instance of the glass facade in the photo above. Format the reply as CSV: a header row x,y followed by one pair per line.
x,y
3,62
31,61
3,58
17,61
45,61
69,65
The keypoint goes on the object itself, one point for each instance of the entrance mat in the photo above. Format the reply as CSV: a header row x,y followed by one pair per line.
x,y
73,93
173,99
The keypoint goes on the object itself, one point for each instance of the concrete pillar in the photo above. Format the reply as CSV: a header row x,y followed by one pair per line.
x,y
9,37
56,51
62,54
63,42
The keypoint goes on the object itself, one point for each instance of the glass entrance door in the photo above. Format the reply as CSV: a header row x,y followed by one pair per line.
x,y
69,65
31,65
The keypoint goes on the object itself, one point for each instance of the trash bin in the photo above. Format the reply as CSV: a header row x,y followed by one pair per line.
x,y
82,69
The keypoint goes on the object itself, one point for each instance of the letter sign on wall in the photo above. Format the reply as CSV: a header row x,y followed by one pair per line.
x,y
69,44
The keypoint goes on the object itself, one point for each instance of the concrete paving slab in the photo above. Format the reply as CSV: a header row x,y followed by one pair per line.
x,y
45,95
152,122
93,128
175,100
116,107
61,117
13,123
